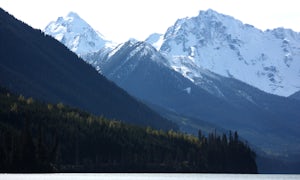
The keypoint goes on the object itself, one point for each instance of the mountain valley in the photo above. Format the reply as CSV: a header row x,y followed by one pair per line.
x,y
209,72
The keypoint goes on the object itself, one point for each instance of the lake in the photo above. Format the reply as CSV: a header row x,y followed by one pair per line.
x,y
142,176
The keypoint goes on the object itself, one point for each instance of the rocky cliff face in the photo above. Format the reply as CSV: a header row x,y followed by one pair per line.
x,y
268,60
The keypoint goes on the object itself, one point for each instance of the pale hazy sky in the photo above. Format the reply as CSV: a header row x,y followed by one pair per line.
x,y
119,20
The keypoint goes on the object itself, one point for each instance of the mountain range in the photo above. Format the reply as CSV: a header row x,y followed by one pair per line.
x,y
139,69
210,71
36,65
267,60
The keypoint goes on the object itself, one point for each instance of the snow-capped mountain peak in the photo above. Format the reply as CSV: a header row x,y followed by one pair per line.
x,y
138,49
268,60
76,34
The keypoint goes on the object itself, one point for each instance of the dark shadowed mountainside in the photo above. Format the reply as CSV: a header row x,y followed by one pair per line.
x,y
36,65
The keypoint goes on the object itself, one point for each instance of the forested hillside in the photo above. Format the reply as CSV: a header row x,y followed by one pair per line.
x,y
39,137
38,66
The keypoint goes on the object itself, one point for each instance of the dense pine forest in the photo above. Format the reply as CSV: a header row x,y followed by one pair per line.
x,y
41,137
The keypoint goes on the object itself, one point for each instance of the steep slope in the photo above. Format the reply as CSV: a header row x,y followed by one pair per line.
x,y
198,98
136,68
76,34
259,117
34,64
268,60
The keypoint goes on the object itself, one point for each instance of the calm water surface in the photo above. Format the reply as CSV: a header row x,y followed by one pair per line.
x,y
125,176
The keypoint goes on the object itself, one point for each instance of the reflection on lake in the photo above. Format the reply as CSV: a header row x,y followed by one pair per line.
x,y
142,176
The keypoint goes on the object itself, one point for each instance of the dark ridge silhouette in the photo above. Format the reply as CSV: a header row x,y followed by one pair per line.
x,y
36,65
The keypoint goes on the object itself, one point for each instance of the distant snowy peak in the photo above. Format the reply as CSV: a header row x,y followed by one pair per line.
x,y
208,28
139,50
268,60
76,34
128,57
